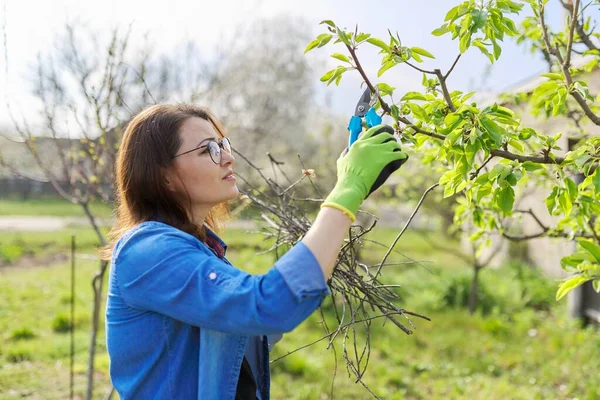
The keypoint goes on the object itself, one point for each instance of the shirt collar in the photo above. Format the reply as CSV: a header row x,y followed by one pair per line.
x,y
215,241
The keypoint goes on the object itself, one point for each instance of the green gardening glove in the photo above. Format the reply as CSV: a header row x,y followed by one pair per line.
x,y
363,168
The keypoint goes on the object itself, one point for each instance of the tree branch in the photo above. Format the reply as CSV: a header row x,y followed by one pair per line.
x,y
452,67
540,160
419,69
360,69
476,173
445,90
585,38
574,17
565,68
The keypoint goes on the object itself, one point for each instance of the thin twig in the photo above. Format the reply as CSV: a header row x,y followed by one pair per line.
x,y
405,227
452,67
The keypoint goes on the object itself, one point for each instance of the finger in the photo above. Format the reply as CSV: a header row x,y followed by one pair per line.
x,y
380,138
392,145
376,130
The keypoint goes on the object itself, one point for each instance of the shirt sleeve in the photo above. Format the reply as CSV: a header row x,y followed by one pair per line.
x,y
164,270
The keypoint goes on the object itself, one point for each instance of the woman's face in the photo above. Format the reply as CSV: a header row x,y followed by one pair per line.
x,y
196,174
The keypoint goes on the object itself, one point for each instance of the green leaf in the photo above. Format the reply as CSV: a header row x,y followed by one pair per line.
x,y
328,75
497,49
389,64
553,76
343,37
448,176
327,22
505,199
312,45
362,37
495,131
413,96
526,133
416,57
551,201
440,31
565,202
573,261
596,180
596,285
531,166
570,284
385,88
395,112
422,52
484,50
418,111
479,18
516,144
340,57
324,38
571,189
379,43
591,248
452,14
465,42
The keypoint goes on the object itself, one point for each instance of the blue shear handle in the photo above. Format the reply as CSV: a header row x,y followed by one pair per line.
x,y
355,127
372,118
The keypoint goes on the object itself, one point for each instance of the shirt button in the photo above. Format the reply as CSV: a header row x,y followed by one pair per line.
x,y
212,276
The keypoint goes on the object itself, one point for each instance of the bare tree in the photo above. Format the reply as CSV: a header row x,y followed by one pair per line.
x,y
90,84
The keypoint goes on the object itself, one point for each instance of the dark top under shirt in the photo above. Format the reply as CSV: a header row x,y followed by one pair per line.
x,y
246,387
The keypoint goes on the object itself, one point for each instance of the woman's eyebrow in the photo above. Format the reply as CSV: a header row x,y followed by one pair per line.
x,y
214,139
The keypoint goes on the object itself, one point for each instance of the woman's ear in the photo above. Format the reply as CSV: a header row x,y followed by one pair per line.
x,y
167,176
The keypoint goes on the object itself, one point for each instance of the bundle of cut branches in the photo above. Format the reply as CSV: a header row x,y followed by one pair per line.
x,y
357,293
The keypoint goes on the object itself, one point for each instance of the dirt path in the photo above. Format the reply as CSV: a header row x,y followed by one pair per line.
x,y
49,224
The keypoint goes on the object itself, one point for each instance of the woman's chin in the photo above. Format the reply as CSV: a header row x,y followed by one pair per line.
x,y
235,192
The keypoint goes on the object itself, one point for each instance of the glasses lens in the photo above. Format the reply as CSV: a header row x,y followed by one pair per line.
x,y
215,152
226,145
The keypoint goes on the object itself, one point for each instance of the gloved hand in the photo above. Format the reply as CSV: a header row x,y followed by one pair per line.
x,y
363,168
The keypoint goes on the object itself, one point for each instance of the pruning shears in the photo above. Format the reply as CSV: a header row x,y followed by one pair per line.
x,y
364,109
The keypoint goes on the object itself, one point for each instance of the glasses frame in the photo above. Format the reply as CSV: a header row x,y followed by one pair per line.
x,y
220,147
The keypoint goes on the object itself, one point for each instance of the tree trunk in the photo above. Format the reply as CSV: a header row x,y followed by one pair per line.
x,y
473,294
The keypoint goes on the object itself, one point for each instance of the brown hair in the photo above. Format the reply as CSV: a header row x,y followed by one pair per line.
x,y
150,141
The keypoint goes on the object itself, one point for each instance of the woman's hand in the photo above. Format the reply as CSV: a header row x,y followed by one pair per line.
x,y
364,167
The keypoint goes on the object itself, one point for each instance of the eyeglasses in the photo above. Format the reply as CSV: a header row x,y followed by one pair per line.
x,y
213,148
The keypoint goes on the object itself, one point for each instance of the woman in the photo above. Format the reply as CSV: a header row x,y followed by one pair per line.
x,y
181,321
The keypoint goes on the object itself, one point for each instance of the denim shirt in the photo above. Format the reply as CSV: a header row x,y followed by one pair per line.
x,y
179,318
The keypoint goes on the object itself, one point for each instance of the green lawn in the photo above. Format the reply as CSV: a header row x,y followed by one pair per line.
x,y
519,345
51,207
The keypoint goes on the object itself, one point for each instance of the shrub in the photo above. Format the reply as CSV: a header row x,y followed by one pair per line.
x,y
61,323
456,293
536,290
10,253
22,334
17,355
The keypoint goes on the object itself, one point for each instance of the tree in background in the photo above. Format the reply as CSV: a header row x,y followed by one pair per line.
x,y
483,155
87,89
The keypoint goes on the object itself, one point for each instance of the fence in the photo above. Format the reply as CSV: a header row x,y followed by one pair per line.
x,y
25,189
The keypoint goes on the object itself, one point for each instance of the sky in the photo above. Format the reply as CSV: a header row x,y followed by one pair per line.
x,y
30,27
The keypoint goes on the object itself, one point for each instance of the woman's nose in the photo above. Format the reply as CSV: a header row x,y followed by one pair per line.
x,y
226,158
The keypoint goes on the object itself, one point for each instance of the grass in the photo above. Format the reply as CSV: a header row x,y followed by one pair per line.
x,y
39,247
51,207
34,355
516,349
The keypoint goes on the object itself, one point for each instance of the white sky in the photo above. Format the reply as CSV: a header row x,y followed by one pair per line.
x,y
31,25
